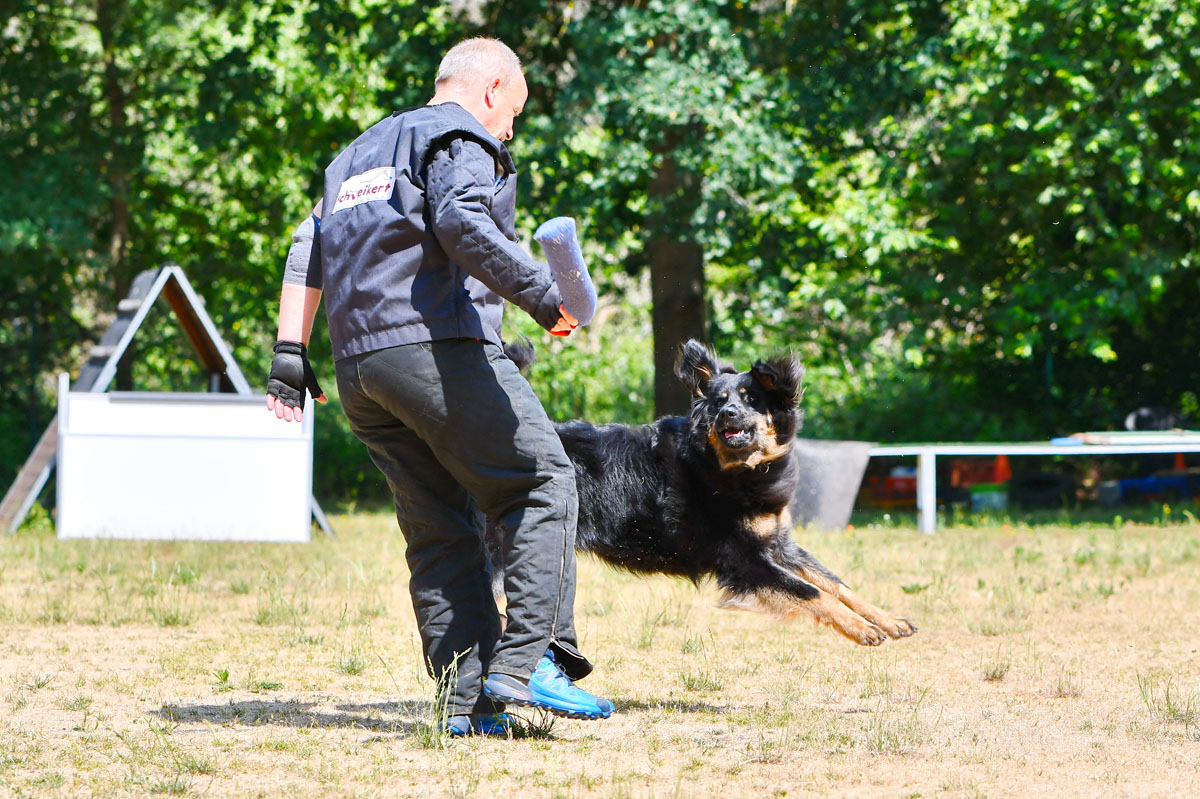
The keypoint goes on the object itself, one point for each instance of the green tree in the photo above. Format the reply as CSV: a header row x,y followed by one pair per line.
x,y
972,218
655,127
143,131
1057,145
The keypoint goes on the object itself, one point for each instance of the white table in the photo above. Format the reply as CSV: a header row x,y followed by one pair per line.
x,y
1107,444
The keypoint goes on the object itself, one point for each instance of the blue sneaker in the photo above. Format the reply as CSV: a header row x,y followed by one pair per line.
x,y
499,724
549,689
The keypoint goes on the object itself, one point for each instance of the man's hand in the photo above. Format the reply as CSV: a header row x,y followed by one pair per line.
x,y
565,324
290,375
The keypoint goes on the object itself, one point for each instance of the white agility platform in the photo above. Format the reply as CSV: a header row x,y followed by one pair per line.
x,y
149,465
1116,443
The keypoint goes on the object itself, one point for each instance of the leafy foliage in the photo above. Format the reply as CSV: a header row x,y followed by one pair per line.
x,y
1055,151
972,218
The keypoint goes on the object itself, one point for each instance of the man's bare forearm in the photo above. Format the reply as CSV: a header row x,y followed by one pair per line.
x,y
297,309
302,281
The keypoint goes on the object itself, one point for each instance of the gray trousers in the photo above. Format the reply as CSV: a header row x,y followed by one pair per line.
x,y
455,429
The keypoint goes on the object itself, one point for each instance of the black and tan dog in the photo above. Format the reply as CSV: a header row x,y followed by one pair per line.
x,y
708,496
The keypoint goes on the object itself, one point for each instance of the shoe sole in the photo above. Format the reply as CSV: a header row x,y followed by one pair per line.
x,y
557,711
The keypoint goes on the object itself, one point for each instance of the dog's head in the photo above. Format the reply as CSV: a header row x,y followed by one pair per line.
x,y
748,418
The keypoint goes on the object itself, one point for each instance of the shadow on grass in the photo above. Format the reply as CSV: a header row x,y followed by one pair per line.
x,y
385,717
671,706
401,717
405,718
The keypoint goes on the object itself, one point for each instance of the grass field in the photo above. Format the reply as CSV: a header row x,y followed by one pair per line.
x,y
1051,660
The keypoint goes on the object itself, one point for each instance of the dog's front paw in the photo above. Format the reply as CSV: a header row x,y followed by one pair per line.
x,y
895,627
828,610
858,629
892,626
866,634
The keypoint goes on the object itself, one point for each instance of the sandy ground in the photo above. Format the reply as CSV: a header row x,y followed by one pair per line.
x,y
1050,661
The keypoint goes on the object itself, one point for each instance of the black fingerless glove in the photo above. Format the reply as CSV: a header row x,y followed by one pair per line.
x,y
291,374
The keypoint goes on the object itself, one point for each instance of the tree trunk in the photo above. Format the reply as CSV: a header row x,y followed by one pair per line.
x,y
677,288
676,272
108,14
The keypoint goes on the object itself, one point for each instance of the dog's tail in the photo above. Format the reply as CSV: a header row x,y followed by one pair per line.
x,y
520,352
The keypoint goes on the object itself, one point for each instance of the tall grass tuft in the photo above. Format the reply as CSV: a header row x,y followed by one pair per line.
x,y
1167,703
996,668
430,732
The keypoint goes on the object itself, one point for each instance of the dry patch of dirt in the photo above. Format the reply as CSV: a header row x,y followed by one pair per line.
x,y
1050,661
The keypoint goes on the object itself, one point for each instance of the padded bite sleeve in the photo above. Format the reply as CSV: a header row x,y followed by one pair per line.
x,y
559,242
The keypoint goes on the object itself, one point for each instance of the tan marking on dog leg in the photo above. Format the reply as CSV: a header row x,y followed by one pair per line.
x,y
823,609
894,626
830,611
817,578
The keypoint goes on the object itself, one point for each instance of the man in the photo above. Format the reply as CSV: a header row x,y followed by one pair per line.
x,y
414,248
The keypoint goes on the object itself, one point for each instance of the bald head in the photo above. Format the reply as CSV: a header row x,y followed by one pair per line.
x,y
477,60
484,77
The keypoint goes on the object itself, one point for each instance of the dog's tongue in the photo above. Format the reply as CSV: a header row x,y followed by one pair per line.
x,y
731,433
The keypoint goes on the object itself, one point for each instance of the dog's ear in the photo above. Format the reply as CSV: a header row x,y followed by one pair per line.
x,y
781,375
520,352
696,366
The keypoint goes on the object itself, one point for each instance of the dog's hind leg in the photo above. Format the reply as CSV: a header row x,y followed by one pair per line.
x,y
798,561
778,591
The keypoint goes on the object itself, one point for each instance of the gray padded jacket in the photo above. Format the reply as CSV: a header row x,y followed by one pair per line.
x,y
417,236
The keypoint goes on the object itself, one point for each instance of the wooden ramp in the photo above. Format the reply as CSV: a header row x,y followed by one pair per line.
x,y
33,475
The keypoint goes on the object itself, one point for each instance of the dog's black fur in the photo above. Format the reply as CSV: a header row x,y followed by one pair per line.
x,y
707,495
1155,418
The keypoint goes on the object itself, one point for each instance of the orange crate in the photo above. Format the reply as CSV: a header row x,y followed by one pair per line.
x,y
970,471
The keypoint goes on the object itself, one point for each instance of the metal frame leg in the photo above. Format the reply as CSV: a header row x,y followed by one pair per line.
x,y
927,491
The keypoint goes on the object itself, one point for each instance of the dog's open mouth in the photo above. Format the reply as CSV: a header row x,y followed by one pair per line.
x,y
736,438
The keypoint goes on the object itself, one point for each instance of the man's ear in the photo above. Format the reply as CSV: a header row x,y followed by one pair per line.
x,y
696,366
781,375
490,91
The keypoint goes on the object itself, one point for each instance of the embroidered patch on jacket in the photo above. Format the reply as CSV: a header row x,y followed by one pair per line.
x,y
365,187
